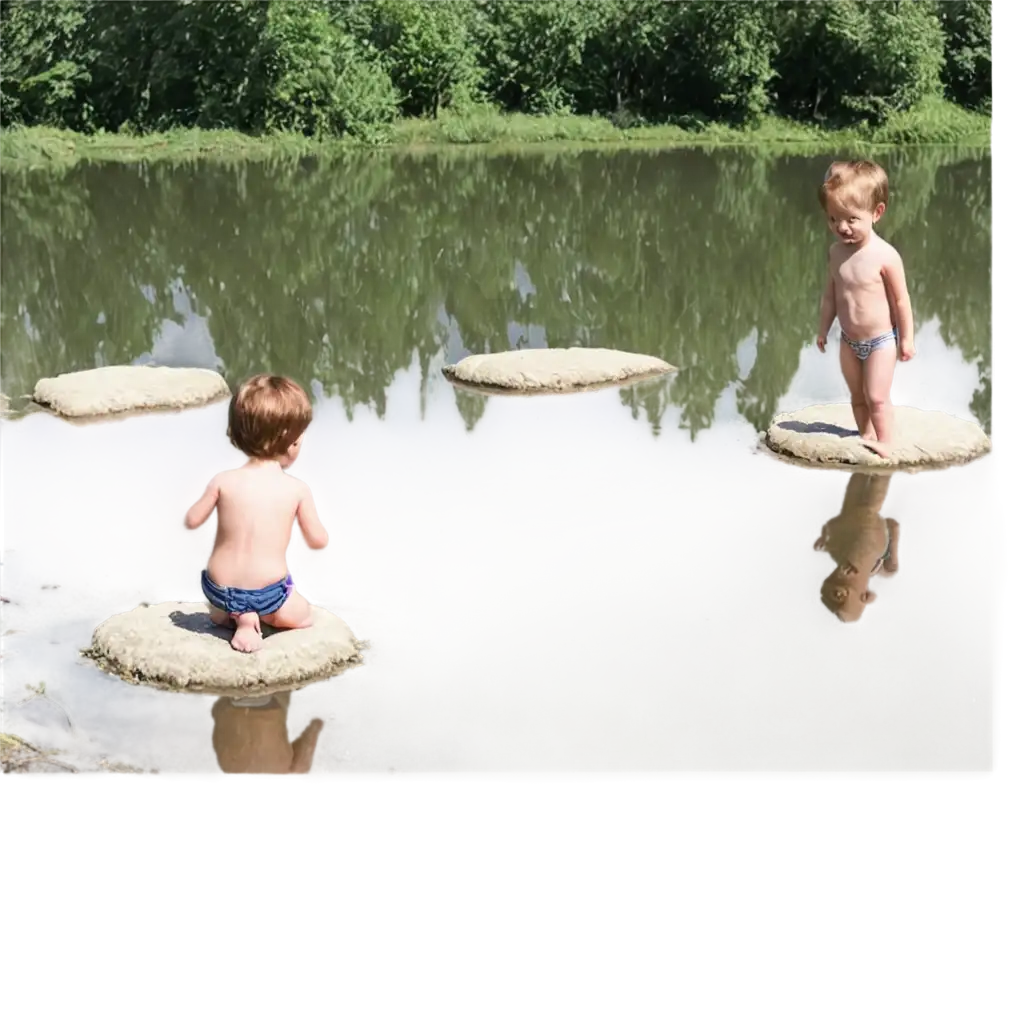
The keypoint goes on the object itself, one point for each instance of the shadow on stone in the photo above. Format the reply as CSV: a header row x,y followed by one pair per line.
x,y
198,622
817,428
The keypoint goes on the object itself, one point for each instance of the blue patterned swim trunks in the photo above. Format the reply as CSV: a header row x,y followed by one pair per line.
x,y
864,348
235,601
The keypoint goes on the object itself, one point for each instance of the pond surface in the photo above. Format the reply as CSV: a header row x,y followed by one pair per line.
x,y
611,580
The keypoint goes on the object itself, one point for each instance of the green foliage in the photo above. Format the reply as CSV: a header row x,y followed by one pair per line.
x,y
532,52
350,67
967,75
309,77
44,64
843,61
427,49
735,47
193,60
636,60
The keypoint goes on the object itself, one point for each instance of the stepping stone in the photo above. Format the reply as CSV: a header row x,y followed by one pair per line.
x,y
539,371
827,435
109,390
175,646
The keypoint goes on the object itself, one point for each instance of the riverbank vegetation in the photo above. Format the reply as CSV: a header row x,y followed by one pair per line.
x,y
133,79
933,121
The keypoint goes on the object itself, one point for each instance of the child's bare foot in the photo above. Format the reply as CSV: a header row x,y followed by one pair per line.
x,y
248,637
876,446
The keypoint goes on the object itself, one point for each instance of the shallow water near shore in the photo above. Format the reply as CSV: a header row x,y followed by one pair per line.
x,y
611,580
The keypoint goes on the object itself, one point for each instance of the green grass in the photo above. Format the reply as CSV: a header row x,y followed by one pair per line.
x,y
58,147
933,122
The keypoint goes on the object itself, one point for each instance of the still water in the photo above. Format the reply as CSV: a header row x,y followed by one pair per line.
x,y
610,580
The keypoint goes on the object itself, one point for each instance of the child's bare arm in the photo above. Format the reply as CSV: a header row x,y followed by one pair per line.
x,y
200,511
304,747
896,283
828,308
309,522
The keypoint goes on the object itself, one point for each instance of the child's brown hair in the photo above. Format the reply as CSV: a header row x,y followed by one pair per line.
x,y
267,415
860,183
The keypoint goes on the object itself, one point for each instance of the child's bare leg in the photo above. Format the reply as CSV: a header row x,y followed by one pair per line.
x,y
878,373
853,374
876,488
892,562
295,613
247,636
220,618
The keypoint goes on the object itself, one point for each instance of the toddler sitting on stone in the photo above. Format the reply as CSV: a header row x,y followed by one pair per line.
x,y
246,581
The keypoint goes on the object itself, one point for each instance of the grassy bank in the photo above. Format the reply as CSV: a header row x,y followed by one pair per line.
x,y
935,122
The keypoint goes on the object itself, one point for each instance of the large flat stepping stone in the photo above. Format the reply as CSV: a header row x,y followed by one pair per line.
x,y
827,435
175,646
109,390
553,370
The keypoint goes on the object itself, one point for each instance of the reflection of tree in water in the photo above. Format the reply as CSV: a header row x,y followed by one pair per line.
x,y
471,406
74,290
335,271
953,259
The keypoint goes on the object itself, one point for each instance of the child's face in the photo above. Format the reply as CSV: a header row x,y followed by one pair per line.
x,y
846,598
850,224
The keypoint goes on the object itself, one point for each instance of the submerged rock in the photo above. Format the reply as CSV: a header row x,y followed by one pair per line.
x,y
175,646
109,390
827,435
553,370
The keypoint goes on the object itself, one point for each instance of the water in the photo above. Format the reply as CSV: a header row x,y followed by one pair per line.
x,y
612,580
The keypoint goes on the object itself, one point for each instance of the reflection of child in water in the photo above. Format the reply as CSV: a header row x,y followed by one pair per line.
x,y
862,544
255,739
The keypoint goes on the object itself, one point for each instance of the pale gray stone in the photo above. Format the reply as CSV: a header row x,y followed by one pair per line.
x,y
554,370
827,434
175,646
109,390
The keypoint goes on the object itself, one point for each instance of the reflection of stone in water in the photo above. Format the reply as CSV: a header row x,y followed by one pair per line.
x,y
471,406
253,738
182,344
863,544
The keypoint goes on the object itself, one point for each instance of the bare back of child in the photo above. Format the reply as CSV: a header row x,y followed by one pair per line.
x,y
246,581
866,290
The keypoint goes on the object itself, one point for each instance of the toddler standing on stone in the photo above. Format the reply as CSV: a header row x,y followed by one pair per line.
x,y
867,290
246,580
